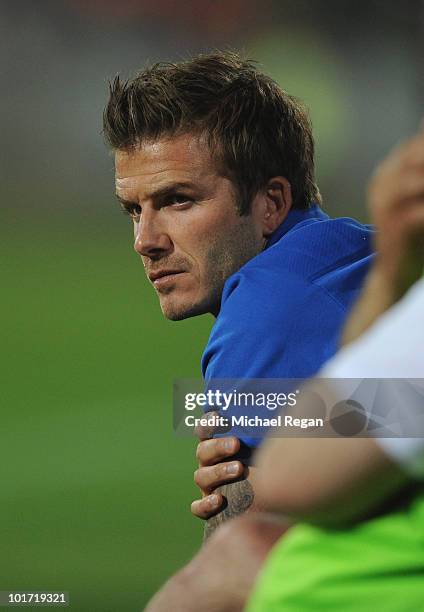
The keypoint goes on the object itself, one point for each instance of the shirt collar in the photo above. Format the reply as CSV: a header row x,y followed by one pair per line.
x,y
295,217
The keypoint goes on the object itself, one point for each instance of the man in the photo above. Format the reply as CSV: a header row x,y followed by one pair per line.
x,y
215,167
378,560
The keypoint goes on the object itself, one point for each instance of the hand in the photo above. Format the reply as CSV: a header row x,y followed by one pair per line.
x,y
396,202
214,470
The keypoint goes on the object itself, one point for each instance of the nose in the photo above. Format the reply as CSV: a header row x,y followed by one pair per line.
x,y
151,238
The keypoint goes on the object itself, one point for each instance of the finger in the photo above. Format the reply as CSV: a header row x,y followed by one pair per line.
x,y
205,432
413,144
415,153
215,450
412,219
411,186
208,506
408,154
208,478
408,187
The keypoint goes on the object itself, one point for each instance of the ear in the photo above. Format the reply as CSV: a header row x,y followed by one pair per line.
x,y
277,202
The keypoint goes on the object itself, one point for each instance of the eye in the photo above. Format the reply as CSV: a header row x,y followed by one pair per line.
x,y
133,210
179,200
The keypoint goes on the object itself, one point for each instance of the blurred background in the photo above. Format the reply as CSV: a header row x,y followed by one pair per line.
x,y
96,488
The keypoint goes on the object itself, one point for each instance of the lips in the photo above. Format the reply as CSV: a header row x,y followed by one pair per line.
x,y
154,276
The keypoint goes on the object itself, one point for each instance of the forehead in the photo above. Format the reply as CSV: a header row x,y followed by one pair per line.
x,y
173,158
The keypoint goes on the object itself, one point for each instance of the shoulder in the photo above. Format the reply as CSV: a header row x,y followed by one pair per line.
x,y
269,325
330,256
314,248
263,289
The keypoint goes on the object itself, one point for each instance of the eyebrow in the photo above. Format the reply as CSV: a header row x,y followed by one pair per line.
x,y
123,201
161,193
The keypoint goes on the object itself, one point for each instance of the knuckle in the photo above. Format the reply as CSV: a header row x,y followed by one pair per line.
x,y
215,447
223,471
230,445
219,471
223,445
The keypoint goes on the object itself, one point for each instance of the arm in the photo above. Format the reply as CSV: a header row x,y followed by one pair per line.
x,y
238,497
228,487
221,575
266,329
396,205
266,342
325,480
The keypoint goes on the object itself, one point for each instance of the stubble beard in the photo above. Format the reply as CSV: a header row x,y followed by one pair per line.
x,y
225,256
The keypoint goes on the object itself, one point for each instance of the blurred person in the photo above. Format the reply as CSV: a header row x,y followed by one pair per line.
x,y
359,502
376,485
215,167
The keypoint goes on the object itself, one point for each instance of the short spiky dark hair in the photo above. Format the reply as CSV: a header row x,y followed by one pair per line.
x,y
254,129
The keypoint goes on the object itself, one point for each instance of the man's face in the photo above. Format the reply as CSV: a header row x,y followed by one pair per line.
x,y
187,229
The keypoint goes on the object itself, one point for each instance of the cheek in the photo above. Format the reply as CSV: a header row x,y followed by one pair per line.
x,y
206,238
191,240
198,252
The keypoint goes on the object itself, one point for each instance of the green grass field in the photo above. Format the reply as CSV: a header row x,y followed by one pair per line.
x,y
95,486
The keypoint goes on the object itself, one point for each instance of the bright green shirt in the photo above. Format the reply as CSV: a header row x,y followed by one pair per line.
x,y
375,565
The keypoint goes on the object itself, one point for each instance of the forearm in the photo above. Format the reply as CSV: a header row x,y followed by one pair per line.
x,y
239,496
387,283
221,575
327,481
377,296
324,478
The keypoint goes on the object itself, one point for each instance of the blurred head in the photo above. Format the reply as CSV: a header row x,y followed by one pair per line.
x,y
210,156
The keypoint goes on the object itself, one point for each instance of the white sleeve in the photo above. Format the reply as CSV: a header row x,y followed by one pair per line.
x,y
392,348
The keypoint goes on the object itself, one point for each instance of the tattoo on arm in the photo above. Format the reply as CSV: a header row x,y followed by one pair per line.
x,y
239,496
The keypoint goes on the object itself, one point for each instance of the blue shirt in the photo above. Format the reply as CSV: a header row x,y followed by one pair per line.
x,y
282,312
